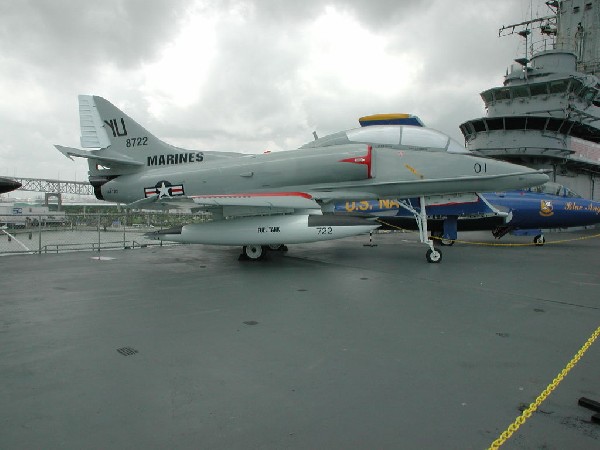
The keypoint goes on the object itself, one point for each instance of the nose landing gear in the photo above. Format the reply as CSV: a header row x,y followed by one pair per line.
x,y
433,255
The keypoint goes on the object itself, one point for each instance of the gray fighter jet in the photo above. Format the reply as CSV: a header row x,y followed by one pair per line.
x,y
267,200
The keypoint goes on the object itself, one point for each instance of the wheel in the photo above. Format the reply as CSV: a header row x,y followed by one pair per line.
x,y
278,247
254,252
539,240
433,256
447,242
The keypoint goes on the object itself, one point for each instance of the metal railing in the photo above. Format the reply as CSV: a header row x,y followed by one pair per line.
x,y
33,234
95,246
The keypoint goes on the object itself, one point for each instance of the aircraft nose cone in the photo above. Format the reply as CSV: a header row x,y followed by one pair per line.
x,y
535,178
7,185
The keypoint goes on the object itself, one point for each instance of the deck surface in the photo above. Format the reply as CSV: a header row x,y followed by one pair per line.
x,y
332,345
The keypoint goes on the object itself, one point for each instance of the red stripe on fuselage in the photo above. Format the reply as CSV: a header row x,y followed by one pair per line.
x,y
256,194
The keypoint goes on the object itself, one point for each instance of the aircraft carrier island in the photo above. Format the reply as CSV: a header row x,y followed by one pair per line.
x,y
547,112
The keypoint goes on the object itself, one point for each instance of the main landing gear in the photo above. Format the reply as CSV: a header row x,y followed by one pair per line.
x,y
539,240
433,255
445,242
253,252
258,252
278,247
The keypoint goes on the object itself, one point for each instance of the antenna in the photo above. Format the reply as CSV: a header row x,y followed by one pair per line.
x,y
546,28
525,34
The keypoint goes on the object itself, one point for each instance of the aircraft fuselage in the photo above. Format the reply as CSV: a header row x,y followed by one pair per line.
x,y
356,168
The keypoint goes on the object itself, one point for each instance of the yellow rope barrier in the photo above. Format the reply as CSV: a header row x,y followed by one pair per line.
x,y
489,244
527,413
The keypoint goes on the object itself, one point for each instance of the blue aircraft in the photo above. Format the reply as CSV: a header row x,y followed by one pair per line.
x,y
522,212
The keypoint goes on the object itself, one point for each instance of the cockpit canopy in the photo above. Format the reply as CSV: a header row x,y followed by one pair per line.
x,y
392,136
555,189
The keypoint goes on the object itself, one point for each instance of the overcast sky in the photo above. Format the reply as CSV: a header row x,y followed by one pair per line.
x,y
243,76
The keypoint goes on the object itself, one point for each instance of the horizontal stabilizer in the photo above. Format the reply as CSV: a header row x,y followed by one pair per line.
x,y
106,157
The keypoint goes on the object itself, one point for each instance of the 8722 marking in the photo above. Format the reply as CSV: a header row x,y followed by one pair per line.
x,y
136,142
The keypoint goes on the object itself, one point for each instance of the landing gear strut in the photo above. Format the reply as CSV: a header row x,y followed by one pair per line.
x,y
433,255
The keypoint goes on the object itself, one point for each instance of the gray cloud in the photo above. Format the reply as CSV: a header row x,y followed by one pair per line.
x,y
82,33
254,91
374,14
256,88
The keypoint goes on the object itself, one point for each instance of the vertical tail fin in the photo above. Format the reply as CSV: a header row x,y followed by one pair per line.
x,y
122,146
104,125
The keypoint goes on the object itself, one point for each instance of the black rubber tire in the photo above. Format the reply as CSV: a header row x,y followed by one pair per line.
x,y
433,256
254,252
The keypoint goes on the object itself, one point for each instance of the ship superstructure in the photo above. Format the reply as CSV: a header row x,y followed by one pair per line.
x,y
547,112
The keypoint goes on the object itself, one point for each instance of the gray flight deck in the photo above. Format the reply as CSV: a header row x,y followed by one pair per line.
x,y
332,345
